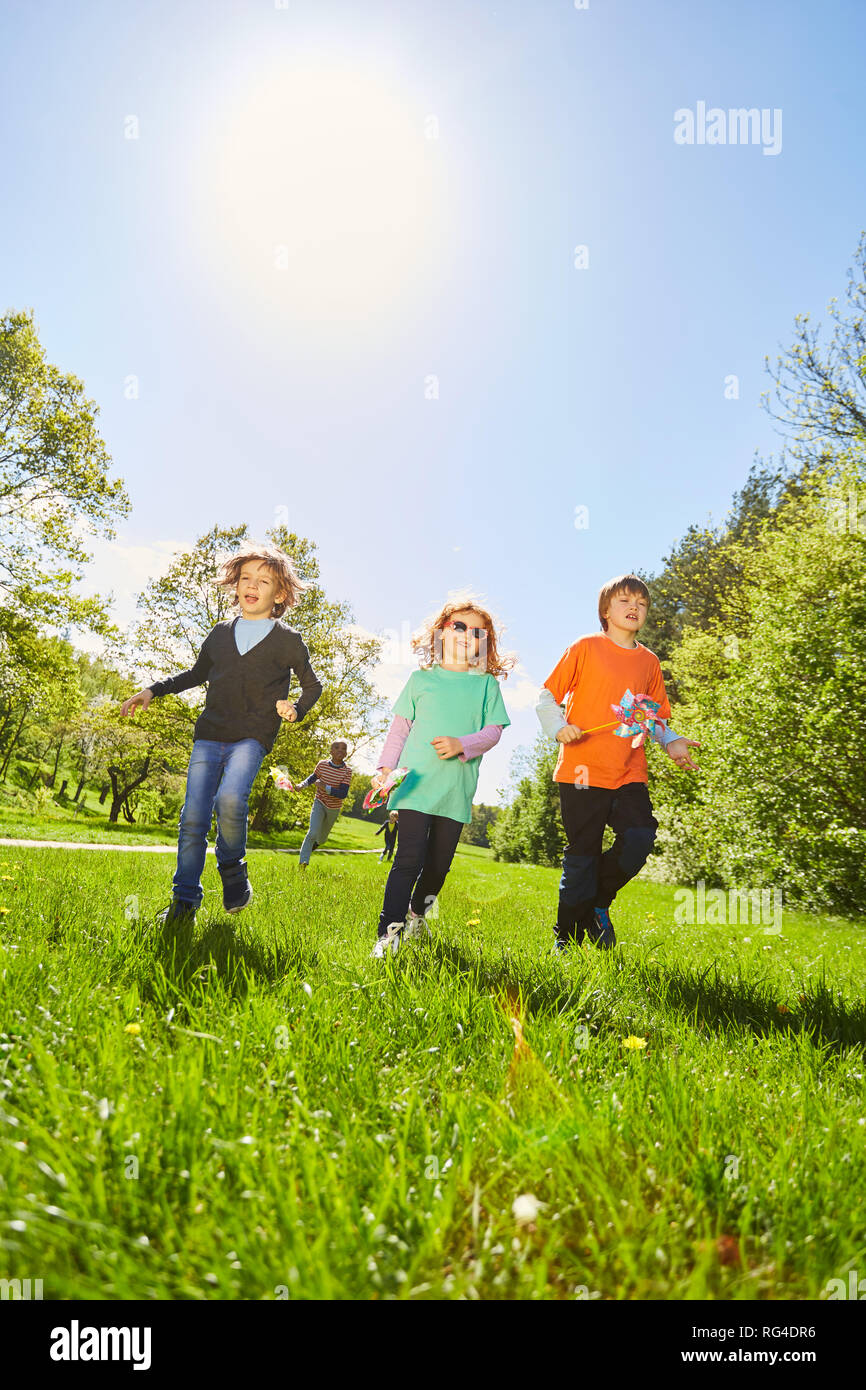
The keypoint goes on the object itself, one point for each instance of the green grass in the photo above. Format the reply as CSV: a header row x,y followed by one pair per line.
x,y
293,1116
59,823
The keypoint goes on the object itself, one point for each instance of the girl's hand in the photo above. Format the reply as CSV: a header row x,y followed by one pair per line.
x,y
569,733
379,778
678,751
286,710
447,747
142,700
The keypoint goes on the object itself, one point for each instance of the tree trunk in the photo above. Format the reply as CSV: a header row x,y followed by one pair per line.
x,y
119,794
103,792
80,788
53,778
261,819
15,737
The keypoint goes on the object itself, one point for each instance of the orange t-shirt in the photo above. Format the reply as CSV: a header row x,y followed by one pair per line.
x,y
593,674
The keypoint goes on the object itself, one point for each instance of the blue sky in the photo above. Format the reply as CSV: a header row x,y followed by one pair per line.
x,y
339,262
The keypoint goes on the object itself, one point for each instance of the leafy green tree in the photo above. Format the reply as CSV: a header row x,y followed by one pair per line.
x,y
820,391
478,829
38,681
781,798
55,488
529,828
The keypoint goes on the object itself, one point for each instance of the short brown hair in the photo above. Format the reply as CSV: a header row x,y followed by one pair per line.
x,y
623,584
277,562
489,660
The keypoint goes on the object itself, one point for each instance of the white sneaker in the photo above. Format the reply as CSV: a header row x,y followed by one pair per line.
x,y
416,927
391,942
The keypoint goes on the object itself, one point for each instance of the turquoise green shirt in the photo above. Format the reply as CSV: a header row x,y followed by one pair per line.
x,y
444,704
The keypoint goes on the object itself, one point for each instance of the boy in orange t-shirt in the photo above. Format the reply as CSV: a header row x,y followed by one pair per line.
x,y
602,779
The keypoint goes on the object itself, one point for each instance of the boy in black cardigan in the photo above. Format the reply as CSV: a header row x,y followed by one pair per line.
x,y
247,663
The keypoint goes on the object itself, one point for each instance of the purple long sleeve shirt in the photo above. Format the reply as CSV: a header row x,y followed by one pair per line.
x,y
473,744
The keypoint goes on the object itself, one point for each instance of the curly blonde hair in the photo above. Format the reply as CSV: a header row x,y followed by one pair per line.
x,y
428,638
278,563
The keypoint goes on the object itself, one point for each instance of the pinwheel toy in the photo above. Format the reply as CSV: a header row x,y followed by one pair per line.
x,y
636,715
282,780
374,799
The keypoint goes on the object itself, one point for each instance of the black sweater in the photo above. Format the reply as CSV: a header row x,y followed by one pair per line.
x,y
242,691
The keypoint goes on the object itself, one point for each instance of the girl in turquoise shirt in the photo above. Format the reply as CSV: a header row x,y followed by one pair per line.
x,y
447,715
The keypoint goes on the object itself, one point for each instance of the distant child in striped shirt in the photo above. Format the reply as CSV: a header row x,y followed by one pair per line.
x,y
331,777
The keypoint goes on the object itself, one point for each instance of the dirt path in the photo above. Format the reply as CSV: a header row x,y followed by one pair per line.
x,y
155,849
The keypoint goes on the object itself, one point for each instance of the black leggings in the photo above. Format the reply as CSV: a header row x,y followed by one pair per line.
x,y
425,849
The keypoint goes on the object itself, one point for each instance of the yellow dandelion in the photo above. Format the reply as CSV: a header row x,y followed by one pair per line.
x,y
632,1042
4,911
133,1028
474,922
7,878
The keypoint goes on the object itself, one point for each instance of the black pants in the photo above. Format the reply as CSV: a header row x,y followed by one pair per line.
x,y
591,879
425,849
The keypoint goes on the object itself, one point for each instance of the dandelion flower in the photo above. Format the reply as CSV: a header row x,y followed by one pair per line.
x,y
632,1042
525,1208
474,922
133,1028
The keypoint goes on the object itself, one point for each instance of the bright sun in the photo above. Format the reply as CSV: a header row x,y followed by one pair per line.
x,y
321,190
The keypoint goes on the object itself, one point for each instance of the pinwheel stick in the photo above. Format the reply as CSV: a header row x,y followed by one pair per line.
x,y
596,727
637,716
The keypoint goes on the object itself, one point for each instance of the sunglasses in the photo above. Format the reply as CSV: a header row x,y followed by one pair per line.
x,y
477,632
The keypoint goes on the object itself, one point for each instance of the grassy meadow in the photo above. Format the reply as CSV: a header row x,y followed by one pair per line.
x,y
255,1109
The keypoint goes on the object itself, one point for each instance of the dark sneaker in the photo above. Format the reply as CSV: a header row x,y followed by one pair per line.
x,y
177,911
237,889
601,933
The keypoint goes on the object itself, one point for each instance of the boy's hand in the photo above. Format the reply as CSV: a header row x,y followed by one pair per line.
x,y
678,751
381,776
286,710
141,700
447,747
569,733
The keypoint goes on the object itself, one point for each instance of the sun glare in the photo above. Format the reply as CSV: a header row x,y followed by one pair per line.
x,y
322,192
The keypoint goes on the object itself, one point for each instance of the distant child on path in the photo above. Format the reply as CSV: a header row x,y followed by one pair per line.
x,y
247,662
602,779
332,778
390,828
448,714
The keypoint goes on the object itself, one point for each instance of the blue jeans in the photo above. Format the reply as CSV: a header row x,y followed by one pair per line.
x,y
220,777
322,821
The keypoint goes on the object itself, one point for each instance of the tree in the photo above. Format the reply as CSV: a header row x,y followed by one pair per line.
x,y
529,827
55,488
781,799
38,681
478,829
702,570
822,392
